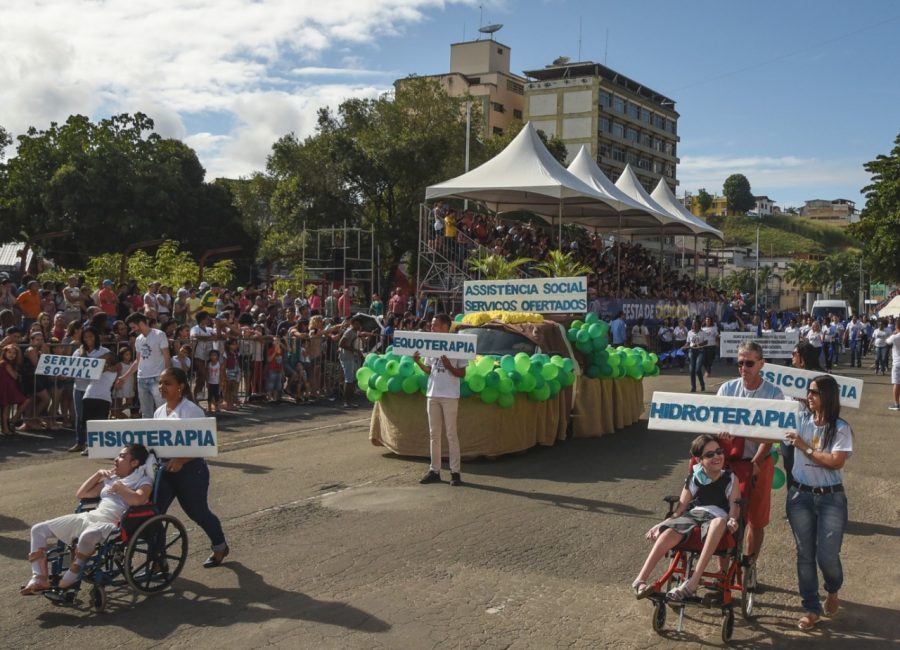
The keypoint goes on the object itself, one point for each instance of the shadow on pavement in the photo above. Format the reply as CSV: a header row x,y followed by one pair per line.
x,y
195,604
865,529
247,468
563,501
17,547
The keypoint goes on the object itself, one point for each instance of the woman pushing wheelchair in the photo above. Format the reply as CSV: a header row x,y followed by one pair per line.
x,y
709,501
125,485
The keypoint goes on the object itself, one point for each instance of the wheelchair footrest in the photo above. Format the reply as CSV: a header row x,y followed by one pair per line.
x,y
59,596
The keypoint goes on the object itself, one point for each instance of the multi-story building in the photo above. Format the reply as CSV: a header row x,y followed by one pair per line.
x,y
718,207
765,207
618,119
481,69
838,212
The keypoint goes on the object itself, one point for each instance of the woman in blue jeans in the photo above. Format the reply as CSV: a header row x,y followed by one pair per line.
x,y
817,503
696,340
188,478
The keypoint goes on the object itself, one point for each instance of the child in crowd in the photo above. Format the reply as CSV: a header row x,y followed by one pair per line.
x,y
183,359
10,395
274,361
124,396
213,377
232,374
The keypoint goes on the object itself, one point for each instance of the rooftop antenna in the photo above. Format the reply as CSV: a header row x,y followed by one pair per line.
x,y
579,37
490,29
606,46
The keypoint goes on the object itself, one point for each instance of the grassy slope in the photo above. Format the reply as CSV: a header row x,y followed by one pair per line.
x,y
784,235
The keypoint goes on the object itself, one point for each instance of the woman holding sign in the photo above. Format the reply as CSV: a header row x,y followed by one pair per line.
x,y
187,478
817,503
97,398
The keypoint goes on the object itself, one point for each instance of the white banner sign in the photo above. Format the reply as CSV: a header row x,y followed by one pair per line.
x,y
793,382
775,345
192,438
433,344
60,365
754,418
539,295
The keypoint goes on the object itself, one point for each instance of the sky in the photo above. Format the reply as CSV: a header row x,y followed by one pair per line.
x,y
795,94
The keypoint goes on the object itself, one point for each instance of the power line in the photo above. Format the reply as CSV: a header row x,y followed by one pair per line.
x,y
786,55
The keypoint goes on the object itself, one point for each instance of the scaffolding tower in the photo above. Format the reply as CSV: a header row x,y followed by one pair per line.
x,y
340,257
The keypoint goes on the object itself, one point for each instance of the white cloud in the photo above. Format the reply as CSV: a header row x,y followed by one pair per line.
x,y
177,60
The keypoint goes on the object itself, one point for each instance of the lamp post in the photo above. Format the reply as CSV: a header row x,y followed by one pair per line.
x,y
756,292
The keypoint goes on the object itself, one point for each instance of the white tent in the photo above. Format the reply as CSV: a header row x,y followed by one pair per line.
x,y
664,198
890,309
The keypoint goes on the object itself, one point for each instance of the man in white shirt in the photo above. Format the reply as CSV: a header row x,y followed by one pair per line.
x,y
443,402
854,334
151,358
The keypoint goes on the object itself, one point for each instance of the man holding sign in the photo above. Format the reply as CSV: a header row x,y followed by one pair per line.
x,y
443,402
750,363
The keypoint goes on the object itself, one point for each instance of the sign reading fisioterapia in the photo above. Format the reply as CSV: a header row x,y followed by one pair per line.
x,y
538,295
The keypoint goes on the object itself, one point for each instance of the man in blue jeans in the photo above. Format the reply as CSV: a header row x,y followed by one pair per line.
x,y
855,333
151,352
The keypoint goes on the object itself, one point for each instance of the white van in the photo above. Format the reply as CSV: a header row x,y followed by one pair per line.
x,y
841,308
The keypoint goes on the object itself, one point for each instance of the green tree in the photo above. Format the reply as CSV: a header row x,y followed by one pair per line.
x,y
736,190
5,141
802,274
496,267
562,265
704,200
879,224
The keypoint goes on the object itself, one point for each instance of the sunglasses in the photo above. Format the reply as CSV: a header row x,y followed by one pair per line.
x,y
746,364
714,453
813,391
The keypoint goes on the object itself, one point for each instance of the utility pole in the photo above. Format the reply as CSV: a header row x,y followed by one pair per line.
x,y
756,293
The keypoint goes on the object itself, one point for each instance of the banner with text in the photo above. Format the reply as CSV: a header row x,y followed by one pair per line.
x,y
191,438
793,382
775,345
654,311
539,295
755,418
433,344
60,365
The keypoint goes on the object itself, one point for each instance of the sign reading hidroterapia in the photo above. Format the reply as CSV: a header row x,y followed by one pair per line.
x,y
60,365
538,295
190,438
794,382
739,416
775,345
433,344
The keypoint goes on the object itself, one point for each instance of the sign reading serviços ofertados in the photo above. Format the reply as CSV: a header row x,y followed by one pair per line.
x,y
538,295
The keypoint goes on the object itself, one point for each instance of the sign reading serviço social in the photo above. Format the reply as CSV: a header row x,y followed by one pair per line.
x,y
775,345
434,344
60,365
189,438
755,418
538,295
794,382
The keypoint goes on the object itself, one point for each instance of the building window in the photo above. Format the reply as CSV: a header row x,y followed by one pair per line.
x,y
643,163
618,130
647,140
604,98
657,144
659,122
670,171
517,114
657,167
512,86
646,116
631,158
604,125
670,126
618,154
499,50
498,107
618,104
604,150
669,148
631,110
498,130
631,134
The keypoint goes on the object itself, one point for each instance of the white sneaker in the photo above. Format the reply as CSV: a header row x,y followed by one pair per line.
x,y
894,407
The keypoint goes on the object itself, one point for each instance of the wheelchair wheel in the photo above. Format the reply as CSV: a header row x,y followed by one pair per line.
x,y
98,598
727,625
659,616
748,594
155,554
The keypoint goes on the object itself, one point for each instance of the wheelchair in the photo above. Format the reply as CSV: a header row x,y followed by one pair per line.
x,y
146,553
739,575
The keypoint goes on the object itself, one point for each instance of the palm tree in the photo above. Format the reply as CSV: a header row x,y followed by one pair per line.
x,y
496,267
562,265
803,274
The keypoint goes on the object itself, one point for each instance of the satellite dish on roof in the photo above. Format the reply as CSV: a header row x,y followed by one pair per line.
x,y
562,60
490,29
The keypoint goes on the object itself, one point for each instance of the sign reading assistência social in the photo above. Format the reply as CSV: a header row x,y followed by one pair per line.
x,y
775,345
749,417
190,438
434,344
794,382
538,295
60,365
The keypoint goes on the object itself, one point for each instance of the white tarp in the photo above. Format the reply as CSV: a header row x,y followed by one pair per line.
x,y
664,197
891,309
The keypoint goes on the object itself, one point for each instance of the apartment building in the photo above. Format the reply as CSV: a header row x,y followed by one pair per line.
x,y
618,119
837,212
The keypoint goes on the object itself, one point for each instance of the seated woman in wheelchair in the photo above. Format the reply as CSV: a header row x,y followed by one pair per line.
x,y
709,501
127,484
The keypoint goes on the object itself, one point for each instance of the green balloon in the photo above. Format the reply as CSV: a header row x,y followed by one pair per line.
x,y
391,368
592,371
381,384
653,357
476,383
395,384
606,371
636,371
591,318
555,387
423,382
410,385
485,365
489,395
458,318
372,383
630,361
407,367
362,376
577,324
505,386
557,360
568,366
491,379
567,379
648,366
506,400
508,363
614,360
583,336
653,372
595,331
464,390
549,371
373,395
542,394
528,383
572,335
778,479
523,363
538,379
370,361
584,346
379,365
774,456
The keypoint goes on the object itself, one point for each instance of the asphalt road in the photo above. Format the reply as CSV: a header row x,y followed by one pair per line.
x,y
335,545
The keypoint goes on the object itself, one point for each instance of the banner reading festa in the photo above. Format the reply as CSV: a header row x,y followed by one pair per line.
x,y
538,295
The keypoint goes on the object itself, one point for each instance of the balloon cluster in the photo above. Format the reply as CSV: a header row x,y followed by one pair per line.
x,y
778,477
494,379
603,361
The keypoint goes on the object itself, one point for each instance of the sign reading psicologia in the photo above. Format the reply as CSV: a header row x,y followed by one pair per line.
x,y
539,295
433,344
59,365
793,382
775,345
193,438
755,418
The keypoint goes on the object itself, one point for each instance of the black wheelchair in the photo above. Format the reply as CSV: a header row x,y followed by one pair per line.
x,y
146,553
